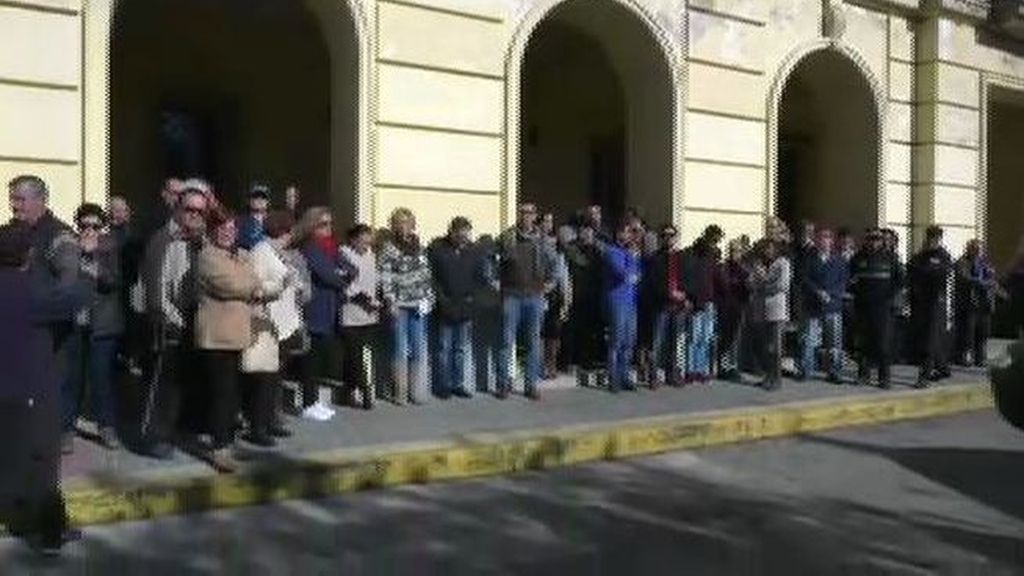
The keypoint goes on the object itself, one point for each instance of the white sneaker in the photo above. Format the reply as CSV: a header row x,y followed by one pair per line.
x,y
313,413
325,409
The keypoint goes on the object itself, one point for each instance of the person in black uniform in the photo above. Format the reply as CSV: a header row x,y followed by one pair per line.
x,y
875,278
930,272
587,323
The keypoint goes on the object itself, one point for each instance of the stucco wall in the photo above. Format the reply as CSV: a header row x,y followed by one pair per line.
x,y
435,130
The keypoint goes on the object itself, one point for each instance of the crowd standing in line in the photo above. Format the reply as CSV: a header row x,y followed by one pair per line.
x,y
211,312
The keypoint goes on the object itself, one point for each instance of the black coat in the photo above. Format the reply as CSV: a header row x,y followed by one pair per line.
x,y
31,306
929,276
458,275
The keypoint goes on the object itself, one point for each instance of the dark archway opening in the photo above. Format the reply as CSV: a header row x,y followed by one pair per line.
x,y
596,118
1004,223
237,92
827,169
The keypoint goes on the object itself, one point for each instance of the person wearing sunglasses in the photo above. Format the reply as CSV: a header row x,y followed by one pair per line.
x,y
97,327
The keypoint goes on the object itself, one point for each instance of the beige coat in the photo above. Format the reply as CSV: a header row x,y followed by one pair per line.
x,y
227,284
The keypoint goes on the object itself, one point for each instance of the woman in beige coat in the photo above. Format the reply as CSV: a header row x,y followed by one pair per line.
x,y
227,288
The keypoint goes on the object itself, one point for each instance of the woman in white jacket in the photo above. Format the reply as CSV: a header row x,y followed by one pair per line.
x,y
260,362
287,315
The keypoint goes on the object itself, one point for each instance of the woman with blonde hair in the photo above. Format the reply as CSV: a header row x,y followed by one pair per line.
x,y
329,279
408,294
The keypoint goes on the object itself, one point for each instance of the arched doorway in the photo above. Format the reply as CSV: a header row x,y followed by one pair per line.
x,y
236,91
596,122
827,148
1004,198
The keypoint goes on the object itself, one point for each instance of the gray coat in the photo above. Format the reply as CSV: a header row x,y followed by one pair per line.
x,y
101,273
770,287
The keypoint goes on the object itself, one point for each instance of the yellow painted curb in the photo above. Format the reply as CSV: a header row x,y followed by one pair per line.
x,y
340,472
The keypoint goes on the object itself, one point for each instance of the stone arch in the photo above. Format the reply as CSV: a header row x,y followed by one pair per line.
x,y
98,33
525,25
878,96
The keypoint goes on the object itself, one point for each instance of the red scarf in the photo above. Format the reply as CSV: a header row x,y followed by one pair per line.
x,y
328,244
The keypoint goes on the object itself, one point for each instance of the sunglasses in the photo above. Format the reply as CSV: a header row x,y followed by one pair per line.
x,y
90,226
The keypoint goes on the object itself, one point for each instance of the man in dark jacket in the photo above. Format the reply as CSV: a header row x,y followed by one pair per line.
x,y
130,250
698,268
823,284
930,275
586,270
31,307
974,302
662,293
527,273
732,297
458,275
875,277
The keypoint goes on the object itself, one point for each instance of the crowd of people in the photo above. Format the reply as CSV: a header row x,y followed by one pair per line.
x,y
212,311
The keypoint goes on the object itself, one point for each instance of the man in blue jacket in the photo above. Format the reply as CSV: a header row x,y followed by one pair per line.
x,y
622,281
250,226
823,284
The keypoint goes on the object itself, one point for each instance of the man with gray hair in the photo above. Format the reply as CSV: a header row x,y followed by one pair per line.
x,y
53,262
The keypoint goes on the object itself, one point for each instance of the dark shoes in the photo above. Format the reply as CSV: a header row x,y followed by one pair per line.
x,y
67,443
50,547
461,393
834,379
771,385
161,451
533,394
502,393
279,431
261,440
108,438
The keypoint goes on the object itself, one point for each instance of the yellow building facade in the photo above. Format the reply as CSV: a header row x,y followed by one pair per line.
x,y
901,113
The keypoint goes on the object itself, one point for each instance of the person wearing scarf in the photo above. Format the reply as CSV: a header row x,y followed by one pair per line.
x,y
329,278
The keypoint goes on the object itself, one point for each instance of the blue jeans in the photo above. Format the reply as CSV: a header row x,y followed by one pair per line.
x,y
89,359
409,334
822,332
700,334
621,342
520,312
669,341
452,353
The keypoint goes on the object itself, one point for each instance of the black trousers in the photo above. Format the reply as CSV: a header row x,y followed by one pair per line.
x,y
972,331
260,410
161,410
768,336
303,367
355,348
936,348
31,504
220,376
874,340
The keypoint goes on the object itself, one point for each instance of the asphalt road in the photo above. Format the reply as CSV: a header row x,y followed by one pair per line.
x,y
942,496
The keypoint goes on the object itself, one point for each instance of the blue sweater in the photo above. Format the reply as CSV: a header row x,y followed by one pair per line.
x,y
329,281
830,275
622,275
250,232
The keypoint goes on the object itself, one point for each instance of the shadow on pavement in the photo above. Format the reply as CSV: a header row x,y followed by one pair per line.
x,y
623,518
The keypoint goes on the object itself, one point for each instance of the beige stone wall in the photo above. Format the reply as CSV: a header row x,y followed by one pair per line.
x,y
437,129
41,99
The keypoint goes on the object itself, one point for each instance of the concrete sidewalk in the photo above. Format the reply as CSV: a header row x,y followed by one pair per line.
x,y
461,438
